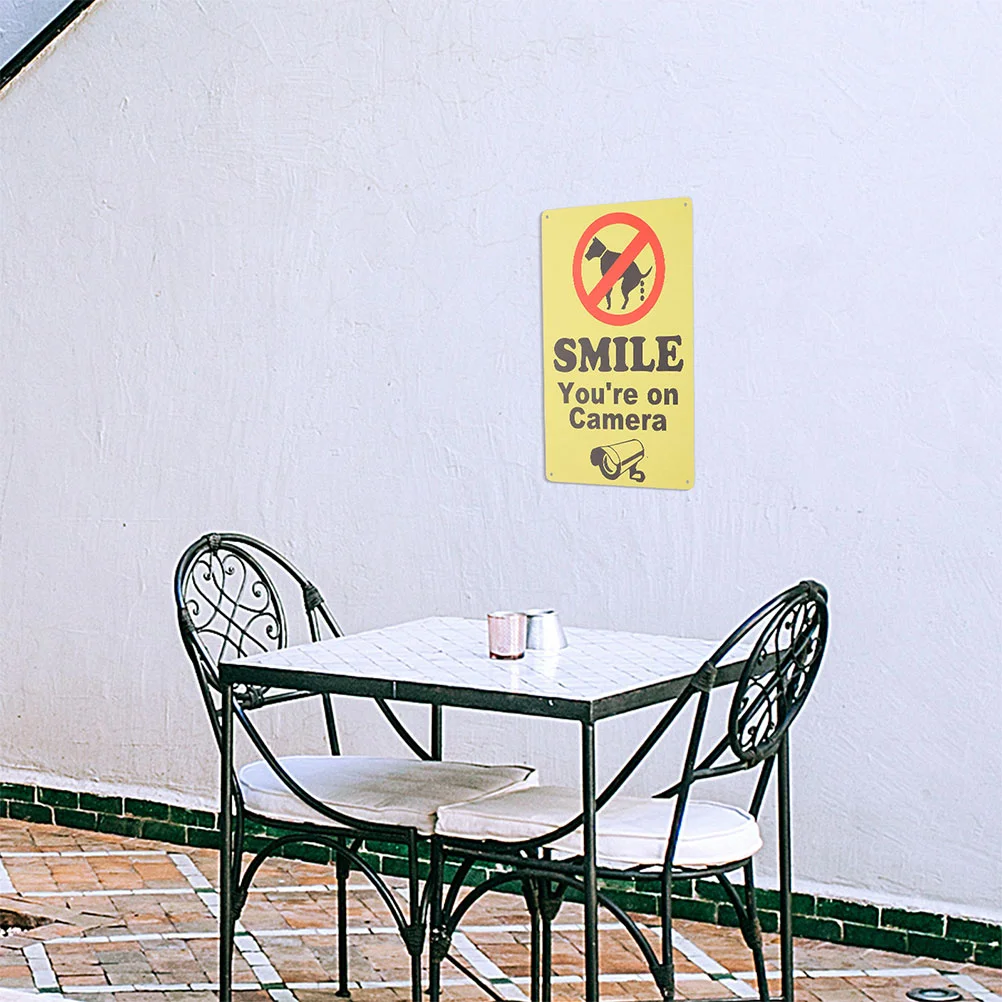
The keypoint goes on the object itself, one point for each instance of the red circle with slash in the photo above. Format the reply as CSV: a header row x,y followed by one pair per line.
x,y
645,236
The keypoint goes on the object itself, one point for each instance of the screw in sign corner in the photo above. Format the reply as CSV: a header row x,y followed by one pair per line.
x,y
617,344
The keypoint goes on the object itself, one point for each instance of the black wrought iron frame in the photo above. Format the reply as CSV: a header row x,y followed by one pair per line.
x,y
770,686
790,635
216,623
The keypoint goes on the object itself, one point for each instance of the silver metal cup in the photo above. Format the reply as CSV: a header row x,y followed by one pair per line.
x,y
543,631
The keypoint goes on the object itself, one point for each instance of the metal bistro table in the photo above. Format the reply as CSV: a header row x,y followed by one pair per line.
x,y
444,662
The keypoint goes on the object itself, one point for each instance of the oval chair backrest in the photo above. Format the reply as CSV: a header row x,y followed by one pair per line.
x,y
790,633
233,608
779,648
228,605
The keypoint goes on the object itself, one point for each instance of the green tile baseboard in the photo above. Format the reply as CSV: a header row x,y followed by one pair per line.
x,y
926,934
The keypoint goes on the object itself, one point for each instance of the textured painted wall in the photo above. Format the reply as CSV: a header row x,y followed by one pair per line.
x,y
275,268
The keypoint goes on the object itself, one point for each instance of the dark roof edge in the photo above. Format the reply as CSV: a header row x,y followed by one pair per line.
x,y
63,20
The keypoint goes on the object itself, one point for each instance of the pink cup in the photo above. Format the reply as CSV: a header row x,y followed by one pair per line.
x,y
506,635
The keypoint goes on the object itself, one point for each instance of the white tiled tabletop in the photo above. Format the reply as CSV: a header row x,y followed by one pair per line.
x,y
445,661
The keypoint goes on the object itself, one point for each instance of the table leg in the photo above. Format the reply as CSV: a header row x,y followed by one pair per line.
x,y
435,931
226,849
436,733
342,871
590,875
785,872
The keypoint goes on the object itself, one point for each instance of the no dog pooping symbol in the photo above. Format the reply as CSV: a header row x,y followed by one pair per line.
x,y
617,344
614,279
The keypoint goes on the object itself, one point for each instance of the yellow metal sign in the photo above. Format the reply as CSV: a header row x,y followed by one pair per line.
x,y
617,344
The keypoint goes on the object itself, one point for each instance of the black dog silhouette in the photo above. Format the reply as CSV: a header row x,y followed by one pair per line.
x,y
631,277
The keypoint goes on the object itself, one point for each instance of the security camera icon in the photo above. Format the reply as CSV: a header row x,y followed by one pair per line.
x,y
622,457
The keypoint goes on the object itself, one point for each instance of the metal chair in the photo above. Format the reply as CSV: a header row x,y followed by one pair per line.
x,y
229,605
535,835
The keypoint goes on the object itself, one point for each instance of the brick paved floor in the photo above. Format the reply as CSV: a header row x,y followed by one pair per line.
x,y
125,916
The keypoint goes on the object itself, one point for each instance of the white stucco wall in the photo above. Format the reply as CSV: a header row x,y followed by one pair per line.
x,y
274,267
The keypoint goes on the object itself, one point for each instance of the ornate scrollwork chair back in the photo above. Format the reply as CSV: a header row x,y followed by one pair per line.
x,y
779,672
229,606
781,645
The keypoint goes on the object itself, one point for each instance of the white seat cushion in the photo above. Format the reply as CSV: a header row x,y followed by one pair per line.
x,y
632,831
389,791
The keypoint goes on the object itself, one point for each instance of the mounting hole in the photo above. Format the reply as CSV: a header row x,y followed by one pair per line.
x,y
934,995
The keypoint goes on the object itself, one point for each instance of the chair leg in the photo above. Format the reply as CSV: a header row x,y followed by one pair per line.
x,y
664,976
342,871
437,941
416,980
227,887
753,934
785,871
549,906
227,928
543,906
535,959
531,890
231,902
414,933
